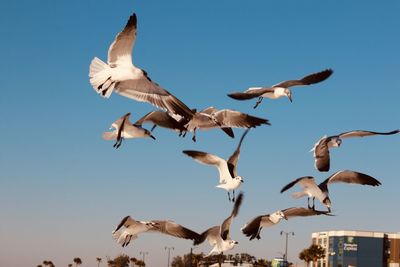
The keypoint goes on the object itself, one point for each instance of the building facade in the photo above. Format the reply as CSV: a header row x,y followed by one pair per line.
x,y
358,248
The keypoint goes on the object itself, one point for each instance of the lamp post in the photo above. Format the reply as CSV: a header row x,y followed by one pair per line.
x,y
169,253
143,253
286,245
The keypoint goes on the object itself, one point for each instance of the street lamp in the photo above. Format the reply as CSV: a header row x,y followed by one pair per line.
x,y
286,246
169,253
144,253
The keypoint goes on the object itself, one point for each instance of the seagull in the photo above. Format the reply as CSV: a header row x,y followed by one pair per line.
x,y
224,119
253,228
281,89
228,177
120,75
321,148
123,128
133,228
312,190
218,236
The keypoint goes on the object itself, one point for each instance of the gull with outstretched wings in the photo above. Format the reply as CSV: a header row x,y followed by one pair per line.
x,y
253,228
120,75
218,236
129,229
228,177
321,148
281,89
321,192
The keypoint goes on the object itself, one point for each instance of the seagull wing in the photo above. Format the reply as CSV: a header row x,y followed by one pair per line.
x,y
351,177
145,90
250,93
174,229
233,118
209,110
120,51
362,133
209,159
307,80
303,212
306,181
321,155
212,234
234,158
126,222
160,118
253,228
228,221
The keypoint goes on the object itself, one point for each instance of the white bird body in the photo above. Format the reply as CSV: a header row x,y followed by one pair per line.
x,y
274,93
231,184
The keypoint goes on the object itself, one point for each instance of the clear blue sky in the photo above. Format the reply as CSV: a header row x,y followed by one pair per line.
x,y
63,189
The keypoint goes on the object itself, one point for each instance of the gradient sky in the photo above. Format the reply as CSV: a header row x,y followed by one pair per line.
x,y
63,189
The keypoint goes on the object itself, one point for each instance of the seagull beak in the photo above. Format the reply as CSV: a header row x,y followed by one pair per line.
x,y
242,180
236,242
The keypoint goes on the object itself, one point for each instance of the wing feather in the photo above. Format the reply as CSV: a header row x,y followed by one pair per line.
x,y
307,80
120,51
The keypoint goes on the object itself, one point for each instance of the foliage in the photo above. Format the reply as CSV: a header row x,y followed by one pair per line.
x,y
312,253
77,261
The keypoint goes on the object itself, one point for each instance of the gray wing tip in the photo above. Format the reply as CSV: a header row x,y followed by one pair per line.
x,y
132,22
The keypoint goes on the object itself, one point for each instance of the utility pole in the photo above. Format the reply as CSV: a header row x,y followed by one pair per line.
x,y
286,245
169,253
144,253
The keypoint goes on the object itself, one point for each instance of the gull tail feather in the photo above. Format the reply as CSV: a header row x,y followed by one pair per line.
x,y
100,77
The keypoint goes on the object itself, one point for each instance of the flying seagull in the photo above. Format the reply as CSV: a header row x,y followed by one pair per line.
x,y
123,128
281,89
228,177
321,148
224,119
312,190
253,228
120,75
218,236
129,229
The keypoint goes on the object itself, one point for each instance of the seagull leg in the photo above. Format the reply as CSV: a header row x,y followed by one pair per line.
x,y
194,135
308,203
229,196
313,203
258,102
152,128
233,192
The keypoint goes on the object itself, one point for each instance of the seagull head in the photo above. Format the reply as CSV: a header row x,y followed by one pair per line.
x,y
239,179
327,203
288,93
281,215
232,244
